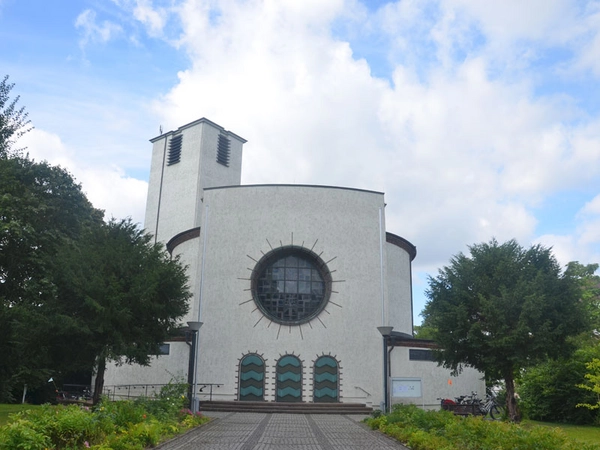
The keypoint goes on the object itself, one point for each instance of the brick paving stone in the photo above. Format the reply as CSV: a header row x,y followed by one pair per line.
x,y
261,431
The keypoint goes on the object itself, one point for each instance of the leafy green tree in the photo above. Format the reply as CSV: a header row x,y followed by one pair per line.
x,y
41,209
502,308
549,391
589,285
13,121
74,290
423,332
125,293
592,384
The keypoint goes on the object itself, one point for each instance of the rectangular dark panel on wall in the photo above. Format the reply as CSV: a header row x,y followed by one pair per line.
x,y
165,349
420,355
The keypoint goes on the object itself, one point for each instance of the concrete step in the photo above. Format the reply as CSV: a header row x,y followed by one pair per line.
x,y
287,408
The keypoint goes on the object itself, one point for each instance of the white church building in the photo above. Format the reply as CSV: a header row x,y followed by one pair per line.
x,y
290,282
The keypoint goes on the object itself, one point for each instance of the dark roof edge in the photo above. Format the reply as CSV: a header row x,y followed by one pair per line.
x,y
398,339
196,122
181,238
293,185
398,241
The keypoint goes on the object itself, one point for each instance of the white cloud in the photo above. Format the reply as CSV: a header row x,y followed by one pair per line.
x,y
153,18
587,44
563,247
44,146
107,187
590,234
120,196
588,230
461,155
459,137
591,208
573,247
513,20
472,123
93,32
583,243
518,32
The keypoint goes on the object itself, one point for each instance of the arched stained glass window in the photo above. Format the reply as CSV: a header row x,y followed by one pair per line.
x,y
252,378
326,380
289,379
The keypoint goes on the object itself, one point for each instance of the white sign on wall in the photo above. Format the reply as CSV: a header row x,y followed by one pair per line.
x,y
406,387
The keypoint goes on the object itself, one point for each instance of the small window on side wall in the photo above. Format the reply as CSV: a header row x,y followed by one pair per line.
x,y
164,349
420,355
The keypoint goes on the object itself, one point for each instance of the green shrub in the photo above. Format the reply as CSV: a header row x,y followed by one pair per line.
x,y
72,427
120,441
421,419
19,435
377,423
121,413
376,413
420,440
126,425
435,430
147,433
193,420
170,400
63,426
549,391
136,436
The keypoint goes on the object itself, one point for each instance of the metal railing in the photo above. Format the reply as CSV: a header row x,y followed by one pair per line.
x,y
358,387
203,386
127,391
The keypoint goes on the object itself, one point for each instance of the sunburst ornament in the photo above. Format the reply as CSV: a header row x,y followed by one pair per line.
x,y
291,286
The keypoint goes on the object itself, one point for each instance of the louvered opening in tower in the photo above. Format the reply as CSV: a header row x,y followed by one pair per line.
x,y
174,150
223,149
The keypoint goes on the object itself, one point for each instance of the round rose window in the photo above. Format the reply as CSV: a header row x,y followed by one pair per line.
x,y
291,285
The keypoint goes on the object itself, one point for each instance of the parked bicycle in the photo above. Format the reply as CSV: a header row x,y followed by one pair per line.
x,y
473,405
490,406
75,394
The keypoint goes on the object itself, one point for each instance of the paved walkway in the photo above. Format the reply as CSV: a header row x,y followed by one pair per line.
x,y
260,431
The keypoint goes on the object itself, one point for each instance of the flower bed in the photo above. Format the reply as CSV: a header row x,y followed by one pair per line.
x,y
121,425
435,430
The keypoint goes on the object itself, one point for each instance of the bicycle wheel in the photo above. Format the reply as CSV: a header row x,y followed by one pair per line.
x,y
496,412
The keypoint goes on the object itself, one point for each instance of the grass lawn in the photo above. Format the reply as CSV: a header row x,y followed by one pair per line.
x,y
5,410
583,433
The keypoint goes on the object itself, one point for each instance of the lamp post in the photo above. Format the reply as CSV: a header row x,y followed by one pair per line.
x,y
194,328
386,333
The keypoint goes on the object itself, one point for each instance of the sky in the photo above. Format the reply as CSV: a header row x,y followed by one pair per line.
x,y
477,119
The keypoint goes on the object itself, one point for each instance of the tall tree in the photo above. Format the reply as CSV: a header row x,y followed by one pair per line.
x,y
74,291
502,308
41,209
126,294
13,120
589,285
549,390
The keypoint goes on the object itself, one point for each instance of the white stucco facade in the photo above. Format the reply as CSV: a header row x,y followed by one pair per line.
x,y
228,235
